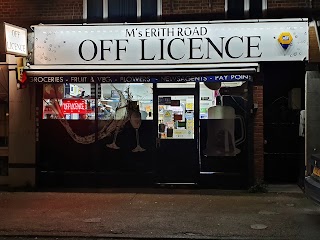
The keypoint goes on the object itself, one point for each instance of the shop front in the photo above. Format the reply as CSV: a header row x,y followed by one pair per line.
x,y
145,105
141,133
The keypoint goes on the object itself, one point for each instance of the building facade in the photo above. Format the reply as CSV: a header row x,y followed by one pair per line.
x,y
49,144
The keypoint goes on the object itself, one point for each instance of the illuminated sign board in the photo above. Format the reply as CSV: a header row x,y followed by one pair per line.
x,y
170,44
74,106
138,79
15,40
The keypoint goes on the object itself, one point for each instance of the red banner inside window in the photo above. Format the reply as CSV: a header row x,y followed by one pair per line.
x,y
74,106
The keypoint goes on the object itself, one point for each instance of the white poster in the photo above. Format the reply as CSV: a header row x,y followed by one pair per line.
x,y
167,116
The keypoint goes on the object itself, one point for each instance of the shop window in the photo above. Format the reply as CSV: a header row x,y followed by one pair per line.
x,y
211,94
95,10
149,10
224,115
240,9
207,100
69,101
121,10
78,101
255,10
235,9
121,96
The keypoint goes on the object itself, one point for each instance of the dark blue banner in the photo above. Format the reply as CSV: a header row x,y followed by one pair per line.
x,y
138,79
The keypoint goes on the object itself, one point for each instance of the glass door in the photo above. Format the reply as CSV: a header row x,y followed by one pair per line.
x,y
176,140
225,134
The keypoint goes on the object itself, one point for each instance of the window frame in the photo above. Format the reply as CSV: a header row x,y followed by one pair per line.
x,y
247,8
105,9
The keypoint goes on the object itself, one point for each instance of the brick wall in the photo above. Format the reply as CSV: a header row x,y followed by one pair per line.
x,y
215,9
258,138
192,6
26,13
218,6
288,4
289,9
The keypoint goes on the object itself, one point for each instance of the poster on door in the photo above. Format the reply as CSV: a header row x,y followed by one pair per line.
x,y
182,133
167,116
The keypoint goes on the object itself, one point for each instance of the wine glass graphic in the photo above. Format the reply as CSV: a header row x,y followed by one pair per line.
x,y
113,145
118,116
135,120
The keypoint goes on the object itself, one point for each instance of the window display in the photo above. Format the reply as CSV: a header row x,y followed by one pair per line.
x,y
176,117
221,118
136,92
224,114
210,94
68,101
77,101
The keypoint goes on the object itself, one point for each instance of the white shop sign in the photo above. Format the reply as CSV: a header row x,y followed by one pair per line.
x,y
185,43
15,40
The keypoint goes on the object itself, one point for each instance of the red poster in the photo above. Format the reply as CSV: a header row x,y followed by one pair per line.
x,y
74,106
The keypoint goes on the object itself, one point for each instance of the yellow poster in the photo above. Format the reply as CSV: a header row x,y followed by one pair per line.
x,y
182,133
189,106
190,125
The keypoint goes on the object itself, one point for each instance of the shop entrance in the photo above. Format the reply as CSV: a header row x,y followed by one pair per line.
x,y
176,151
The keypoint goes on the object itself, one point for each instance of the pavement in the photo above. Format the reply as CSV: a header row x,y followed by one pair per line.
x,y
282,213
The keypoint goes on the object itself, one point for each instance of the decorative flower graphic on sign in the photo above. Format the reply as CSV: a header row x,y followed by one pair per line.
x,y
285,40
